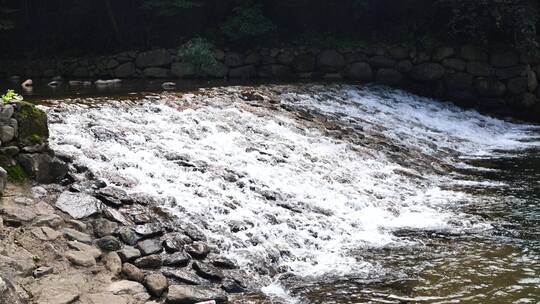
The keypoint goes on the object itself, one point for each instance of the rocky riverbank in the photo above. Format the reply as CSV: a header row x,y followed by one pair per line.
x,y
502,81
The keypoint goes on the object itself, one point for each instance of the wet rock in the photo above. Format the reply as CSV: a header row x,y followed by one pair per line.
x,y
112,196
182,294
207,271
132,272
149,230
156,284
193,232
129,253
78,205
95,252
113,263
7,134
179,259
151,246
175,242
81,258
223,262
115,215
42,167
428,72
149,261
330,61
232,286
108,243
42,271
131,288
128,235
183,276
168,85
198,250
45,233
360,71
104,227
74,235
154,58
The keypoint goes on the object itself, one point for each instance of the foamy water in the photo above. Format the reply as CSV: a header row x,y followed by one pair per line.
x,y
272,190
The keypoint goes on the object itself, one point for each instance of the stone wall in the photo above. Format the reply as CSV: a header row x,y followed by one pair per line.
x,y
24,144
501,80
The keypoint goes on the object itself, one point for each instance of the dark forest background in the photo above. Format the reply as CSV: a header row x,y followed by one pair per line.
x,y
33,28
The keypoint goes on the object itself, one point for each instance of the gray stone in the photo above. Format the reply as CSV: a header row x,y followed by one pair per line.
x,y
125,70
244,72
233,59
149,229
388,76
45,233
174,242
478,68
151,246
154,58
3,180
105,298
275,71
504,58
132,288
10,150
156,284
473,53
330,61
51,220
17,215
517,85
95,252
232,286
532,81
42,167
512,72
7,134
6,113
149,261
42,271
183,294
108,243
78,205
113,263
8,294
455,64
428,72
382,62
74,235
360,71
183,276
207,271
304,63
132,272
156,72
218,70
198,250
442,53
177,259
489,87
404,66
104,227
128,235
459,81
128,254
81,258
182,70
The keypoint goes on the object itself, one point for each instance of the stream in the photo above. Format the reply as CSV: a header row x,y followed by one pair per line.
x,y
327,193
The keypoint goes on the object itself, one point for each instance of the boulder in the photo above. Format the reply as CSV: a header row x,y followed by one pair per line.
x,y
243,72
156,284
459,81
404,66
478,68
182,70
184,294
132,272
150,261
233,59
428,72
360,71
275,71
442,53
489,87
154,58
32,124
382,62
43,167
518,85
473,53
304,63
455,64
156,72
388,76
330,61
504,58
512,72
78,205
399,53
125,70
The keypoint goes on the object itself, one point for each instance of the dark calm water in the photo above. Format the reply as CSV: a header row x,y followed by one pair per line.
x,y
390,197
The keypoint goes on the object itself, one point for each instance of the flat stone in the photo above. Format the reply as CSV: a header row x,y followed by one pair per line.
x,y
18,214
106,298
156,284
183,276
198,250
45,233
223,262
149,261
132,272
95,252
108,243
182,294
149,230
81,258
180,258
128,235
128,254
78,205
43,208
232,286
74,235
151,246
104,227
174,242
207,271
125,287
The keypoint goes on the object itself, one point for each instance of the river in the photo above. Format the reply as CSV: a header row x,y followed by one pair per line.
x,y
328,193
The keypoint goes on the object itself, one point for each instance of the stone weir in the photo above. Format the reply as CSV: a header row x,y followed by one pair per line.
x,y
502,81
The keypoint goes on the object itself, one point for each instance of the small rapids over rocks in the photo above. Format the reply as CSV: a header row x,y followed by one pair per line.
x,y
304,184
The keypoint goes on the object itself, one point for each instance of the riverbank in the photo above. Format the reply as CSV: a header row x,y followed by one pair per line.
x,y
499,81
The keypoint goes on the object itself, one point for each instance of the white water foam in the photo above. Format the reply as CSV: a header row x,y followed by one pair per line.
x,y
300,200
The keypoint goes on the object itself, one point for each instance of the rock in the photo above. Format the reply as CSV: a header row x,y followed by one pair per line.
x,y
104,227
8,294
174,242
232,286
182,70
285,58
275,71
218,70
78,205
207,271
179,259
125,70
443,53
105,298
52,220
6,113
17,215
128,254
113,263
149,230
183,276
532,81
108,83
128,235
108,243
81,258
74,235
455,64
42,167
223,262
360,71
132,272
459,81
489,87
243,72
304,63
398,53
149,261
512,72
183,294
517,85
3,180
473,53
478,68
168,85
404,66
156,284
504,58
233,59
151,246
132,288
7,134
388,76
115,215
428,72
198,250
154,58
382,62
95,252
330,61
32,124
45,233
156,72
218,54
27,83
42,271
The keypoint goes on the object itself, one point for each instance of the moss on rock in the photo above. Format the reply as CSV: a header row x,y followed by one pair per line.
x,y
33,125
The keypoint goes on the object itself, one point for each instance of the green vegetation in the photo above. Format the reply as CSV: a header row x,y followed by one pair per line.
x,y
16,173
247,22
10,95
198,54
